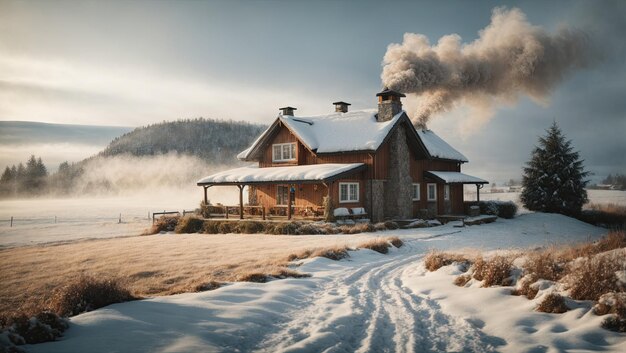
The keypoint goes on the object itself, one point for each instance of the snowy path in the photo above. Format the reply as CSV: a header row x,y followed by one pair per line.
x,y
367,309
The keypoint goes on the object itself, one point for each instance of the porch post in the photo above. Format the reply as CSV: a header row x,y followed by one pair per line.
x,y
478,187
206,199
289,203
241,200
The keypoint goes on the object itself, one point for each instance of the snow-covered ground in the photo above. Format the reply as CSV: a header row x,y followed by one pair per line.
x,y
92,217
367,303
97,217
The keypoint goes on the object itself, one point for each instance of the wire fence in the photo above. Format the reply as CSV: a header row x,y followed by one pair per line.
x,y
119,218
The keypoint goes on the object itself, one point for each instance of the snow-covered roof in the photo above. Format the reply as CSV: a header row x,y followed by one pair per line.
x,y
455,177
336,132
299,173
438,148
348,132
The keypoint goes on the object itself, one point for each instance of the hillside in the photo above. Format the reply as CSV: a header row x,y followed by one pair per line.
x,y
134,160
216,141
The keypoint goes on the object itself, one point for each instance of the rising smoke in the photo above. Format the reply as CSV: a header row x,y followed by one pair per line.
x,y
511,57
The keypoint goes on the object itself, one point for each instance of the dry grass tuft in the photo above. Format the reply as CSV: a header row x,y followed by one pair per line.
x,y
333,253
544,264
395,241
462,280
163,224
437,259
379,245
589,278
552,303
188,224
277,273
494,272
357,228
86,294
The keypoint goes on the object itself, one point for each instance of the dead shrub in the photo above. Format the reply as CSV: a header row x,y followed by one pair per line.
x,y
226,227
552,303
436,260
206,286
280,273
494,272
357,228
391,225
86,294
462,280
163,224
380,226
256,277
378,245
313,229
614,240
211,227
395,241
589,278
611,303
543,264
188,224
285,228
525,286
478,268
46,326
614,323
336,253
250,227
332,253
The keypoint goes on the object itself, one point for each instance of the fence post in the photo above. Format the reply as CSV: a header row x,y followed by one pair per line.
x,y
120,220
11,221
263,212
226,208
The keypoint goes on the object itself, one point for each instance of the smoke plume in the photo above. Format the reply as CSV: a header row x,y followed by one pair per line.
x,y
510,57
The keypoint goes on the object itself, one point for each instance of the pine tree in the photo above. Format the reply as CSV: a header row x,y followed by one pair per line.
x,y
554,178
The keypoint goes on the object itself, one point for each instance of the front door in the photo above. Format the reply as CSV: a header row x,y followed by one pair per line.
x,y
447,203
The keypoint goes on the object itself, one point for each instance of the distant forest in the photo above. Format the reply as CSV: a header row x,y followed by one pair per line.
x,y
214,141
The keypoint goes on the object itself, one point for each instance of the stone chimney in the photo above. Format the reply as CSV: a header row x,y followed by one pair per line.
x,y
389,104
341,107
288,110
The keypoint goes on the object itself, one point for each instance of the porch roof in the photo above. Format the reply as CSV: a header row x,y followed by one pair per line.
x,y
300,174
454,177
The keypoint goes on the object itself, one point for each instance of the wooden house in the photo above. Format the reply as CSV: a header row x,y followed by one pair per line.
x,y
371,159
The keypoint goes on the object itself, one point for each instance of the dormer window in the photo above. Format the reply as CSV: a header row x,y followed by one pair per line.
x,y
284,152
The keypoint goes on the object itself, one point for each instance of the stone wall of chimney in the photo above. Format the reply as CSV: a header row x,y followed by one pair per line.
x,y
388,109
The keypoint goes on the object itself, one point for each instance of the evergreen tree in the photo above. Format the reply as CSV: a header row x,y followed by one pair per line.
x,y
554,178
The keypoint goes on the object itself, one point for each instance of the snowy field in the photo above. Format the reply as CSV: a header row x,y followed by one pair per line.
x,y
367,303
80,218
93,217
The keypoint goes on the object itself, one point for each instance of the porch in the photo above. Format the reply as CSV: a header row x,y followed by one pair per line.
x,y
298,190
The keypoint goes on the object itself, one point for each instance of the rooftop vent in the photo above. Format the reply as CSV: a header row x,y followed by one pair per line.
x,y
341,107
288,110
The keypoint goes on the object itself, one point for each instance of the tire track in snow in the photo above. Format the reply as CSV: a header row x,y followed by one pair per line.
x,y
368,309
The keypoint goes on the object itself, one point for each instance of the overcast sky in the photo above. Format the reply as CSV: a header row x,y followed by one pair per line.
x,y
132,63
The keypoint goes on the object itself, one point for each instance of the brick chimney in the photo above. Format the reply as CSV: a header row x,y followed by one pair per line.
x,y
341,107
389,104
287,110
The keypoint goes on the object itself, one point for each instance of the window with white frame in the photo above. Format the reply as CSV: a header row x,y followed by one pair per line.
x,y
446,192
416,192
348,192
432,192
282,152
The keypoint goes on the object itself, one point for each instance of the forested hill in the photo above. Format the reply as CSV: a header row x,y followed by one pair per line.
x,y
216,141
